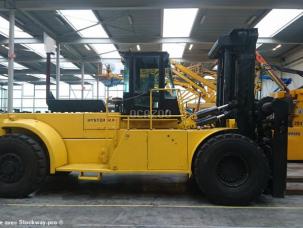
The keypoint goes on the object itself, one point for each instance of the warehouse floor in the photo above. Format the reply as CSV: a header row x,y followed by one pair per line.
x,y
145,201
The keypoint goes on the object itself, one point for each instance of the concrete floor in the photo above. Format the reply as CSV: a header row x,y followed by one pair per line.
x,y
144,201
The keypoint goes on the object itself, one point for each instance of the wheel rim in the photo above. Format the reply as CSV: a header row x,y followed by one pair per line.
x,y
11,168
232,171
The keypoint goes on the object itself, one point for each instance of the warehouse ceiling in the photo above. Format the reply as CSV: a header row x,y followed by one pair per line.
x,y
132,26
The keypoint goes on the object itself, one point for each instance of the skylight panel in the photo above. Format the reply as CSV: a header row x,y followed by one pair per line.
x,y
86,76
106,51
175,50
178,22
19,33
84,20
17,66
68,65
40,76
277,20
65,64
4,30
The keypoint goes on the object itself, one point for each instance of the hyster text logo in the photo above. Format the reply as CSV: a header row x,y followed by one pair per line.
x,y
100,120
298,123
294,134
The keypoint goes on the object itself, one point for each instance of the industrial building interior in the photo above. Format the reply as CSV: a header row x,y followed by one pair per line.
x,y
87,65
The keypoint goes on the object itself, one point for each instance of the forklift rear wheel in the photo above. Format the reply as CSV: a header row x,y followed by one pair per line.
x,y
230,169
23,165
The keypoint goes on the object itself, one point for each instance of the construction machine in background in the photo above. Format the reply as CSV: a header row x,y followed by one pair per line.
x,y
197,87
295,97
107,77
153,133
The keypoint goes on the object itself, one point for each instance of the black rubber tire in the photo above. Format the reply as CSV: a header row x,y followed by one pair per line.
x,y
231,169
27,164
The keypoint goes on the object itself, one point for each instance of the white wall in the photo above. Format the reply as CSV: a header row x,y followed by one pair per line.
x,y
293,60
268,87
25,99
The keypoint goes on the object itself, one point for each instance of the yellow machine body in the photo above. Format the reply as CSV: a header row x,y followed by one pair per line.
x,y
295,132
110,142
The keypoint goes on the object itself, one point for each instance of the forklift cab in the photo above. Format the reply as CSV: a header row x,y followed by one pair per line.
x,y
145,74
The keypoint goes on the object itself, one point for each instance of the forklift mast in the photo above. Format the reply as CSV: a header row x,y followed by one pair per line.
x,y
236,75
265,123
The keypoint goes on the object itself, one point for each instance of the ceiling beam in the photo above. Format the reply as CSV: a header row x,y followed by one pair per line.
x,y
23,41
24,60
33,71
142,40
147,4
268,40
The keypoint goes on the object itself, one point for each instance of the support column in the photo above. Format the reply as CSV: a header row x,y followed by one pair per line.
x,y
98,88
82,81
22,95
34,99
11,56
2,96
69,91
58,73
93,90
105,92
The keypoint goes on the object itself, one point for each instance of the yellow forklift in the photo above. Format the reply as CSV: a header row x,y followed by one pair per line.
x,y
150,131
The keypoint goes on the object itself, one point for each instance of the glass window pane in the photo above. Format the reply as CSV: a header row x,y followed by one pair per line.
x,y
147,70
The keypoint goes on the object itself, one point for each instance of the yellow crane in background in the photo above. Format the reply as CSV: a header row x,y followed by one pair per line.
x,y
196,86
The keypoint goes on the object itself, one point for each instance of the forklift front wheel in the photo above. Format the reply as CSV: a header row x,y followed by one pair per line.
x,y
230,169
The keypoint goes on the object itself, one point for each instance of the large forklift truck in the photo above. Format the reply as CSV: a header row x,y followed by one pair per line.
x,y
231,166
